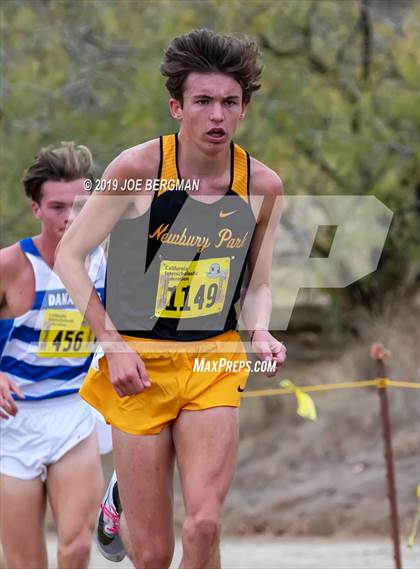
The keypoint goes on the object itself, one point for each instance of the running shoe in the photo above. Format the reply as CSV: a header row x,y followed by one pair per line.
x,y
108,524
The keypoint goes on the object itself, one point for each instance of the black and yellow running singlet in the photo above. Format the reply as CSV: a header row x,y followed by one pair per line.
x,y
176,272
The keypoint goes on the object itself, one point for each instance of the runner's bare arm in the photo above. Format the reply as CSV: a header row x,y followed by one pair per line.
x,y
256,299
3,277
95,222
9,267
9,264
101,212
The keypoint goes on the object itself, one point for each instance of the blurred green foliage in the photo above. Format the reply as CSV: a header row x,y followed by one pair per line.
x,y
338,112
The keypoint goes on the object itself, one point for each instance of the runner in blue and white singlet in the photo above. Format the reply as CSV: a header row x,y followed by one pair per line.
x,y
47,350
48,434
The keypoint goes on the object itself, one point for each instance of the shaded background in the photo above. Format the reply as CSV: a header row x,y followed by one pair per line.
x,y
338,114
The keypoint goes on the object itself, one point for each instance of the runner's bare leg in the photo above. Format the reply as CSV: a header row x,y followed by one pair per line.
x,y
206,445
23,504
145,469
75,487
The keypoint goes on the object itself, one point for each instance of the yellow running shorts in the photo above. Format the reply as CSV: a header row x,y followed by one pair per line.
x,y
184,376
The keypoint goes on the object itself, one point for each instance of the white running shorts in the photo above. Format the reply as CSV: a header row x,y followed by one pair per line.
x,y
103,433
41,433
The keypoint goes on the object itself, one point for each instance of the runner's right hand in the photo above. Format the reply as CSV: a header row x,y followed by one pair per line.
x,y
127,371
7,404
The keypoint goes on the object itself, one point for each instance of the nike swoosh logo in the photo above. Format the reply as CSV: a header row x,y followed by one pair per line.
x,y
239,389
222,214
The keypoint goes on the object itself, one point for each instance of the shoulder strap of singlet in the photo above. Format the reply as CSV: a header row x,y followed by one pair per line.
x,y
28,246
168,169
241,173
41,270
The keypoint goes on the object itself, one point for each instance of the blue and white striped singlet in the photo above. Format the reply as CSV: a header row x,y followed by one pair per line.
x,y
47,350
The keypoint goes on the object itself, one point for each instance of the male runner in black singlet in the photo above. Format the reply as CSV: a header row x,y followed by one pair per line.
x,y
178,261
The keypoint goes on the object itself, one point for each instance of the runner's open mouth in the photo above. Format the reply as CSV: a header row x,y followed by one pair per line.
x,y
217,132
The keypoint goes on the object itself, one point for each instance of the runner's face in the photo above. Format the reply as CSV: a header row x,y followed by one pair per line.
x,y
60,203
212,107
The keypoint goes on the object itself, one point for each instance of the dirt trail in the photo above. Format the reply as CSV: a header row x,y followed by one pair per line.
x,y
267,553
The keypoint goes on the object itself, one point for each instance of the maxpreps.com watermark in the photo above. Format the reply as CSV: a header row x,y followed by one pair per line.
x,y
225,365
138,184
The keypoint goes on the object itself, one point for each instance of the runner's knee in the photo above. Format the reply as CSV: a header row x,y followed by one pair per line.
x,y
77,549
151,555
201,528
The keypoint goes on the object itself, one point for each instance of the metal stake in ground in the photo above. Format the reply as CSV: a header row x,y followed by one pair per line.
x,y
379,354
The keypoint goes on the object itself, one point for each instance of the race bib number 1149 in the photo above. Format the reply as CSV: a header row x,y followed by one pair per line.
x,y
190,289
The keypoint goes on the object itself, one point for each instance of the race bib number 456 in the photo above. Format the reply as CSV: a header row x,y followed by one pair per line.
x,y
65,335
189,289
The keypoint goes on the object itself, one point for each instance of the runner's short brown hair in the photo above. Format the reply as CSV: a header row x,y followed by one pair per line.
x,y
66,162
205,51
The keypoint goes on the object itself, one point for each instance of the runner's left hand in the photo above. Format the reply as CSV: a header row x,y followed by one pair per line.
x,y
8,406
267,348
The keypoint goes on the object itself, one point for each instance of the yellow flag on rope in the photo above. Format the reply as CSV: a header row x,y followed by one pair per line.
x,y
306,406
412,536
